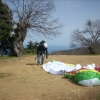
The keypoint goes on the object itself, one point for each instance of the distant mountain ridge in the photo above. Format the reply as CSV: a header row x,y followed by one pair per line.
x,y
57,48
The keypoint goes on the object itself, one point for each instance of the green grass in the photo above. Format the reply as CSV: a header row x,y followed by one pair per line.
x,y
11,57
2,75
7,57
25,79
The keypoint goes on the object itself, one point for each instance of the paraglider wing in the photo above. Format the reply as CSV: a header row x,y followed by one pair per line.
x,y
87,77
69,74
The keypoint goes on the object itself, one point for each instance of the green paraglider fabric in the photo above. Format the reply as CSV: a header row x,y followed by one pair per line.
x,y
86,75
52,60
68,75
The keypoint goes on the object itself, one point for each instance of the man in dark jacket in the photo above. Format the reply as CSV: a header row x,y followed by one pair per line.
x,y
42,49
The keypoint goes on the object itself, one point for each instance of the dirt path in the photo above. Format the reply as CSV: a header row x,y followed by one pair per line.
x,y
22,79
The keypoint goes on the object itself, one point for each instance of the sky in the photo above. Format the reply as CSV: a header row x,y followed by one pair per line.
x,y
73,14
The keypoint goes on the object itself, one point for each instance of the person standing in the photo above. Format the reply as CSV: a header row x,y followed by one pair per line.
x,y
42,50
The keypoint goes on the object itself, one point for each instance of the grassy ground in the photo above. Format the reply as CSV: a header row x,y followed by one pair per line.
x,y
22,79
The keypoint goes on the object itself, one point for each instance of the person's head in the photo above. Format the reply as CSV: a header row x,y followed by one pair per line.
x,y
44,44
43,41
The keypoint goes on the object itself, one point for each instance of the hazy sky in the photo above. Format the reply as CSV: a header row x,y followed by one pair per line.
x,y
73,14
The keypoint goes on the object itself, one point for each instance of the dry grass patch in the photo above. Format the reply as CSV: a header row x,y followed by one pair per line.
x,y
22,79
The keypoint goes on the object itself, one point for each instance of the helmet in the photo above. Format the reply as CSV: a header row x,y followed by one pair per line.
x,y
45,45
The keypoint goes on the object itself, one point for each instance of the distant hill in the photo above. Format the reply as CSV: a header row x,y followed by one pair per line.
x,y
57,48
77,51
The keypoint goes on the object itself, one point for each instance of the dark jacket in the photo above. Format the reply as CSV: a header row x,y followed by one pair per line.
x,y
42,50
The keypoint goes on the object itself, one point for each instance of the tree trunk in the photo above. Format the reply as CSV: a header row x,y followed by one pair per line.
x,y
20,34
2,52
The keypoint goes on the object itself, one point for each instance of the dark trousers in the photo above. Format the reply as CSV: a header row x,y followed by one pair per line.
x,y
40,58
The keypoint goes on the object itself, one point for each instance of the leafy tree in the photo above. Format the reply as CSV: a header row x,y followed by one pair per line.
x,y
31,47
5,26
34,15
88,37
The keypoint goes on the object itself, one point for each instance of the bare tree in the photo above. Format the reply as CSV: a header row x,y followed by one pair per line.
x,y
34,15
89,37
